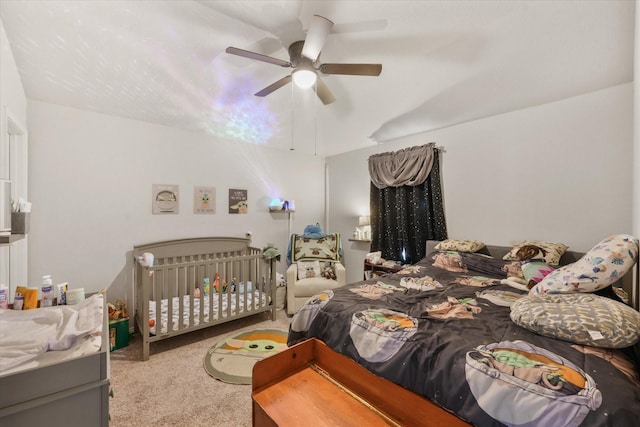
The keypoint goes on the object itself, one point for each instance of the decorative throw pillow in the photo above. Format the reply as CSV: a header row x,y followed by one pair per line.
x,y
535,271
329,273
586,319
308,269
551,252
459,245
601,266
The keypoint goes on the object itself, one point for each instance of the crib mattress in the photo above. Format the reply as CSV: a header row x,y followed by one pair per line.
x,y
248,302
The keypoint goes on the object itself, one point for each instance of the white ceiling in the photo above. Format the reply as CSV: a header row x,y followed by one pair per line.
x,y
444,62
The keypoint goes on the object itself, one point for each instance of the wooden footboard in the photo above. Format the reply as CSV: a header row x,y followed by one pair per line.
x,y
172,297
310,381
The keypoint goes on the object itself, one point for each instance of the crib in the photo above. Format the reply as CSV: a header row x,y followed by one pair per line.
x,y
197,283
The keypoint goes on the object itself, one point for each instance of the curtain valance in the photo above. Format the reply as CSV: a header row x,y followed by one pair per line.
x,y
410,166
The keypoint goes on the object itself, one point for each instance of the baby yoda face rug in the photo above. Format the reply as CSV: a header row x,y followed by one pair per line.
x,y
232,359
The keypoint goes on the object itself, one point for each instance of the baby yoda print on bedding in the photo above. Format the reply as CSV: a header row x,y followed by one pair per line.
x,y
406,335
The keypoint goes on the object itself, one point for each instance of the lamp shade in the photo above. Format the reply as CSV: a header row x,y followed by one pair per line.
x,y
304,78
364,220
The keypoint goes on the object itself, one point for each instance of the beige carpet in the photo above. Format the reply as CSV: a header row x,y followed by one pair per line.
x,y
173,389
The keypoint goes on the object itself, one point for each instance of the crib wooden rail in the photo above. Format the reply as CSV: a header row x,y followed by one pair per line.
x,y
172,296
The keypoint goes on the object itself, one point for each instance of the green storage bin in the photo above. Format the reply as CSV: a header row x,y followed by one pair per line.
x,y
118,333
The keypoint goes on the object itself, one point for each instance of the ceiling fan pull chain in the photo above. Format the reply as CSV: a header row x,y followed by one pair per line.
x,y
315,122
292,122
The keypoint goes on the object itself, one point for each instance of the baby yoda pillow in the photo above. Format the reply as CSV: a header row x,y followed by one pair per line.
x,y
601,266
308,269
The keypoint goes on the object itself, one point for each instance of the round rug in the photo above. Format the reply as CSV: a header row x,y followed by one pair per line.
x,y
232,360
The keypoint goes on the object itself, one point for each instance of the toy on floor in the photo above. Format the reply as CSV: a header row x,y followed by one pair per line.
x,y
118,310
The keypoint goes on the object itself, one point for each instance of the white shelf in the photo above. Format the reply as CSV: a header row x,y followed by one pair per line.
x,y
276,210
10,238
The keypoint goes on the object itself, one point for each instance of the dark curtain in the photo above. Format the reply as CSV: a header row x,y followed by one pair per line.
x,y
404,218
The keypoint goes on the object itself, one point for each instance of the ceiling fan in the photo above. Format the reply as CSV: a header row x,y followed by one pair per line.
x,y
304,58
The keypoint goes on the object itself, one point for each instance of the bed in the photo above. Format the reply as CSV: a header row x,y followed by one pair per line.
x,y
65,387
189,284
446,333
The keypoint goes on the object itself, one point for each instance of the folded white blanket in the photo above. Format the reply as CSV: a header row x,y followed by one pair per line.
x,y
27,334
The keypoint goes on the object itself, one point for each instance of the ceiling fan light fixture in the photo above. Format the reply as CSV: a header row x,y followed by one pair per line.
x,y
304,78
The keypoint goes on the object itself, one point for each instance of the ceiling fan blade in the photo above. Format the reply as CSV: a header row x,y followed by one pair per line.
x,y
274,86
316,36
324,93
257,56
352,69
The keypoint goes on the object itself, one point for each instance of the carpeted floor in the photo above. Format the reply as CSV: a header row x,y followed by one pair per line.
x,y
173,389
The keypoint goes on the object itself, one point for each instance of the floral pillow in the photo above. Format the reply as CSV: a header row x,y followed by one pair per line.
x,y
601,266
549,252
460,245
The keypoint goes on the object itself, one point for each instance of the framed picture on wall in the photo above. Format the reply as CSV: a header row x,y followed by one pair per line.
x,y
165,199
238,201
204,200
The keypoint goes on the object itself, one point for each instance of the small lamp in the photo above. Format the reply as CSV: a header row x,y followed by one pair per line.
x,y
275,205
364,227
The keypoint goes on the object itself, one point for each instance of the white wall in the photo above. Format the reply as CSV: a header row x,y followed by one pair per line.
x,y
636,132
12,93
91,177
561,172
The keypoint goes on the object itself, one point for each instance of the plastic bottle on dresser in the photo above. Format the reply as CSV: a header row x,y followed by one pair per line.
x,y
18,302
47,292
4,296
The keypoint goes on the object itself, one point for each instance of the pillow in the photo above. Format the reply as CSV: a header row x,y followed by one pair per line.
x,y
310,248
601,266
535,271
579,318
551,252
329,273
459,245
308,269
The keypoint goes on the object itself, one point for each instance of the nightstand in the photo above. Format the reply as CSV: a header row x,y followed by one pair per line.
x,y
379,269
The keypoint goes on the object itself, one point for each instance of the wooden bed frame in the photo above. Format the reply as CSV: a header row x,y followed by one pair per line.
x,y
285,386
179,268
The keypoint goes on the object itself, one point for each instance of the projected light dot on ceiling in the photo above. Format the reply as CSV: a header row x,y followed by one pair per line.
x,y
239,116
249,122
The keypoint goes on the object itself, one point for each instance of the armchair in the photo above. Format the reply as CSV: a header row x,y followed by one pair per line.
x,y
315,267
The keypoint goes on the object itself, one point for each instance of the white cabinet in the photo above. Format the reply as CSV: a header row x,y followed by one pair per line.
x,y
13,166
4,264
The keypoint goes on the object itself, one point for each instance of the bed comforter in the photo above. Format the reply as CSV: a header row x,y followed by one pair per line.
x,y
445,333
